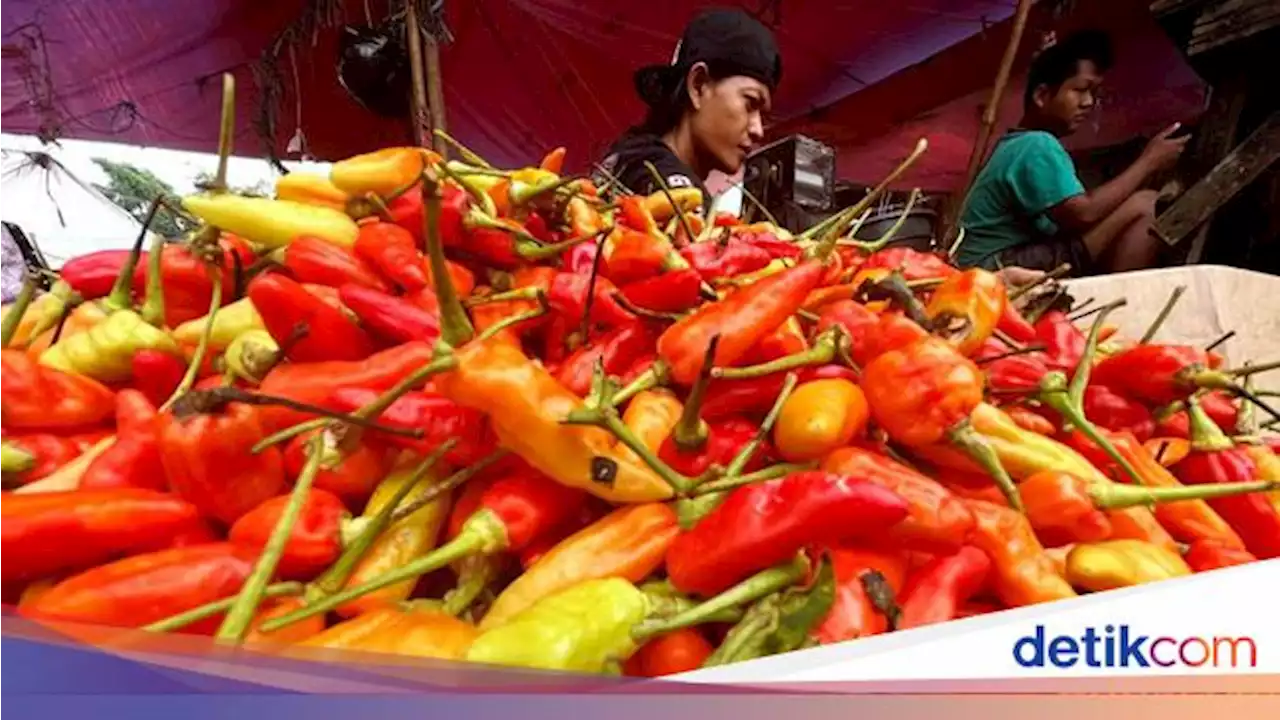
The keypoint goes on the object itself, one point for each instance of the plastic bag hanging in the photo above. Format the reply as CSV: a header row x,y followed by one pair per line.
x,y
373,67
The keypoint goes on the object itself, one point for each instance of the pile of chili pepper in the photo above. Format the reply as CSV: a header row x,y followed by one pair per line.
x,y
436,408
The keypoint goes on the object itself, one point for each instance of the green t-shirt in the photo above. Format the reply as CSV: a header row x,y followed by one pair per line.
x,y
1028,173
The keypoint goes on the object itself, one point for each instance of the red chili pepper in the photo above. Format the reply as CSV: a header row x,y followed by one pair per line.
x,y
188,290
770,243
1214,458
634,256
287,309
714,260
42,398
441,419
315,383
1064,342
618,349
725,437
1157,374
1013,324
1111,410
133,460
394,252
313,545
156,374
567,296
320,262
937,520
786,339
93,275
678,651
867,583
362,465
913,264
764,524
51,451
673,291
1205,555
935,593
1219,406
46,533
749,396
143,589
392,319
544,543
740,320
209,461
579,258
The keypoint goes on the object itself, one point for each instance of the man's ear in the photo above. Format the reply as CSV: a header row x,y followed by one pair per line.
x,y
1041,96
696,82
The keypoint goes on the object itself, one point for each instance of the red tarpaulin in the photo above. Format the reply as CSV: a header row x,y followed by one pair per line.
x,y
522,76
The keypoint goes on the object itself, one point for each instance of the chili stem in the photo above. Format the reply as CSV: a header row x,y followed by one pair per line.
x,y
1071,412
743,457
455,326
879,244
822,352
153,306
208,610
634,309
1075,391
691,432
1025,350
749,590
1218,343
121,296
226,131
474,575
202,347
1114,496
975,446
337,575
479,536
240,616
470,157
1050,276
585,327
288,433
13,317
730,482
232,394
453,481
1163,315
1250,369
655,376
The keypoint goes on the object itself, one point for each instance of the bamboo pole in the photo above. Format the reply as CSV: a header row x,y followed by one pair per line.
x,y
435,91
990,114
422,134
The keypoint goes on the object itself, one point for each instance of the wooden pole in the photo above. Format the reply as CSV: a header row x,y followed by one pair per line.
x,y
422,135
435,92
990,114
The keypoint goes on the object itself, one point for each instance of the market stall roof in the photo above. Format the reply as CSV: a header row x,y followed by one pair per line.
x,y
520,77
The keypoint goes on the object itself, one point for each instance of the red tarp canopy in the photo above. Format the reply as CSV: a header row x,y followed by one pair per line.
x,y
522,76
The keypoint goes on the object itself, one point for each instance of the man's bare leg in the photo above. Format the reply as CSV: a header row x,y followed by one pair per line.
x,y
1123,241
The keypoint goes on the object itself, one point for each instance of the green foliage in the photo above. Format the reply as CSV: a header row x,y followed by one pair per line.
x,y
134,189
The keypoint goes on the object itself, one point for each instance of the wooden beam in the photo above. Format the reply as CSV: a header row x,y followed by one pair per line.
x,y
1214,190
987,127
435,90
422,135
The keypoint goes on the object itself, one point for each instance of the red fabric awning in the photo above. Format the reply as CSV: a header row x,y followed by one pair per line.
x,y
523,76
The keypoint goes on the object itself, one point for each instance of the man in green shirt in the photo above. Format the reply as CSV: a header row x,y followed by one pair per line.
x,y
1027,208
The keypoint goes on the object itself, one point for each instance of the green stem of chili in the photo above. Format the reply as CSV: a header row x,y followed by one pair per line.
x,y
208,610
691,432
236,624
1163,315
13,317
965,438
822,352
1119,495
202,347
744,456
753,588
455,326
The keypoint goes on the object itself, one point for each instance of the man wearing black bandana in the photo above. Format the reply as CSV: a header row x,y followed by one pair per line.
x,y
706,108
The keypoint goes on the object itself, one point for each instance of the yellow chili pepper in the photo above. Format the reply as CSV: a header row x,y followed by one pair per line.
x,y
1121,563
105,351
688,199
651,415
403,541
1268,469
820,416
230,321
41,315
416,632
382,172
628,543
252,354
272,223
84,317
311,189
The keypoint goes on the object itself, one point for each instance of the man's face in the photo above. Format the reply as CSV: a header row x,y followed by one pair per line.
x,y
1074,99
729,120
